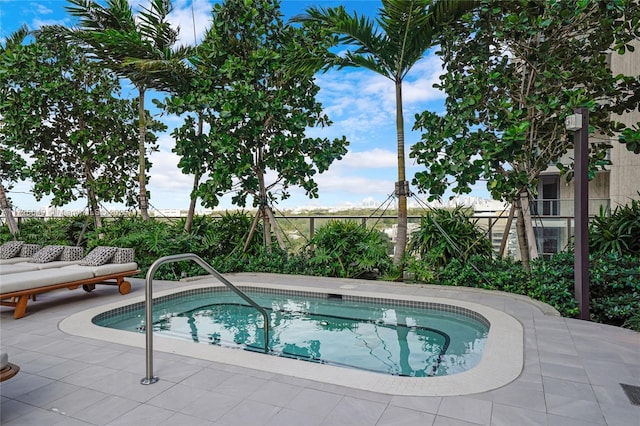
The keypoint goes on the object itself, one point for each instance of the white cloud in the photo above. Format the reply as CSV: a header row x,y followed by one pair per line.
x,y
334,182
373,159
166,176
41,9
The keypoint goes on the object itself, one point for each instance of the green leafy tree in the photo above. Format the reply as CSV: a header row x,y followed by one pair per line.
x,y
514,71
390,46
60,108
12,164
257,109
137,47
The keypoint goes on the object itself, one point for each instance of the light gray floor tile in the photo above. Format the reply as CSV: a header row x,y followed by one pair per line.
x,y
174,372
207,379
448,421
275,393
106,410
67,368
90,376
315,403
353,411
551,357
611,395
177,397
606,373
42,396
179,419
467,409
21,384
36,417
428,404
398,416
574,408
77,401
288,417
576,374
11,409
568,388
143,415
34,362
521,396
211,405
554,420
239,385
621,416
127,385
506,415
249,412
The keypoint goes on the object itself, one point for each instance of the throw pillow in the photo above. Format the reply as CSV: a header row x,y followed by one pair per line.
x,y
28,250
47,254
99,256
10,249
72,253
123,255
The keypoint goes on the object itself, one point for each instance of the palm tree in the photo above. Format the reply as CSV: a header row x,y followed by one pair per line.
x,y
390,46
139,48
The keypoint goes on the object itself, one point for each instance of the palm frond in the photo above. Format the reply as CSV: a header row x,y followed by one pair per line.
x,y
16,38
356,31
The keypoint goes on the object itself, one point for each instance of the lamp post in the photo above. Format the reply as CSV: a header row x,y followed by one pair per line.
x,y
579,124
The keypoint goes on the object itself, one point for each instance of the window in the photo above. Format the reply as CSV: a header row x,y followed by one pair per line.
x,y
548,202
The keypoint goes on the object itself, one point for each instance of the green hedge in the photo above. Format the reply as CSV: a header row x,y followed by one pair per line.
x,y
614,283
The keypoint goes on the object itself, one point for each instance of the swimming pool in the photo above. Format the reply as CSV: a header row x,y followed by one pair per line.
x,y
401,338
501,362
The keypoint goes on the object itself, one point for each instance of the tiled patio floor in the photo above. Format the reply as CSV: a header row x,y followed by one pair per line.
x,y
571,376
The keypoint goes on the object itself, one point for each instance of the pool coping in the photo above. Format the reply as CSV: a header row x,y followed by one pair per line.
x,y
501,363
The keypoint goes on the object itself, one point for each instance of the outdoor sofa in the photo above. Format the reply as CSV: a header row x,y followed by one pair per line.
x,y
55,267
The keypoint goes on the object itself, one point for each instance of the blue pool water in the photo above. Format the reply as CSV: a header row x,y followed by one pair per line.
x,y
379,335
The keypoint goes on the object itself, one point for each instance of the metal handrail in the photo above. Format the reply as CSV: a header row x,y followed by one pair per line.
x,y
148,293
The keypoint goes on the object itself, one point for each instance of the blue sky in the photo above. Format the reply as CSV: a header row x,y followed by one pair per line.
x,y
359,102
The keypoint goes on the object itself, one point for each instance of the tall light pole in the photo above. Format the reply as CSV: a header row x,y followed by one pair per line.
x,y
579,124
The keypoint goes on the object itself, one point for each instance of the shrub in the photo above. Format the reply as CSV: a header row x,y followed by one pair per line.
x,y
346,249
617,233
69,231
446,234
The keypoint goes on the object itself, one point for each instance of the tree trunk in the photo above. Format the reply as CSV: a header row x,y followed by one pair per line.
x,y
142,136
528,226
507,229
402,185
192,204
522,237
276,228
94,209
5,205
196,181
252,231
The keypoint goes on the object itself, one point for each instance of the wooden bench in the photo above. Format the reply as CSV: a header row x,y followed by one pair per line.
x,y
17,288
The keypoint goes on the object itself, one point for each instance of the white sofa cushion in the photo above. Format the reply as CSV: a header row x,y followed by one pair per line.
x,y
108,269
42,278
30,266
